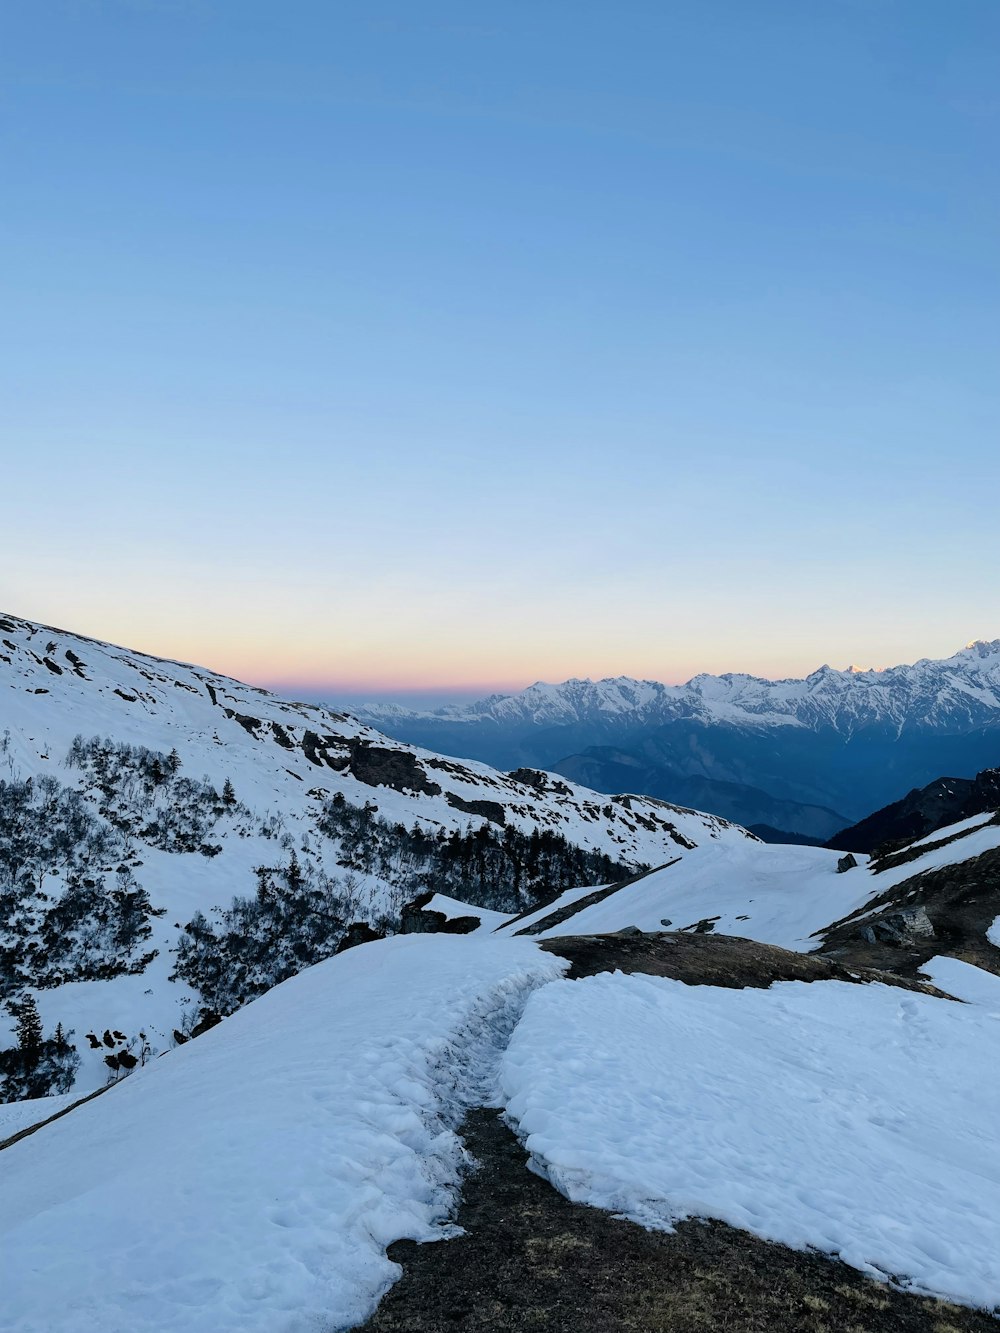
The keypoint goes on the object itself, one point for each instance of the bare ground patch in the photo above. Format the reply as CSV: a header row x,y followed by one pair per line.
x,y
530,1260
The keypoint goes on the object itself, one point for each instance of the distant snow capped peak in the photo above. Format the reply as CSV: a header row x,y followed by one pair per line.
x,y
953,694
983,647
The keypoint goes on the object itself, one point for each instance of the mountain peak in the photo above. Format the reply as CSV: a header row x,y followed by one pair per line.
x,y
953,696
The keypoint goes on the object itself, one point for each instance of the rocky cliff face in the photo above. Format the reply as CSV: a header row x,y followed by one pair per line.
x,y
922,811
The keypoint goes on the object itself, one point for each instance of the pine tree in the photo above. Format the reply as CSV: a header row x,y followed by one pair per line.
x,y
29,1033
228,793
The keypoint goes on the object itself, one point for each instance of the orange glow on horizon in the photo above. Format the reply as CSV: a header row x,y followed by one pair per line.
x,y
293,654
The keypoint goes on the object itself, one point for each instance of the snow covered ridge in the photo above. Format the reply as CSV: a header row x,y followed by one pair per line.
x,y
63,685
955,694
252,1180
791,896
779,895
856,1120
153,793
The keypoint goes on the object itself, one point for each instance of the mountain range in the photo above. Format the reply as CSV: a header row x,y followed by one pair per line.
x,y
805,756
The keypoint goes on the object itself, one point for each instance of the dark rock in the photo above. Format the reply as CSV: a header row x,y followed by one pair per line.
x,y
847,862
417,919
491,810
359,932
282,736
922,811
379,766
902,927
539,781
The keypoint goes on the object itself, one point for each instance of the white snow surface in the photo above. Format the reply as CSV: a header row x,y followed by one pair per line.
x,y
859,1120
775,894
966,982
993,933
15,1116
251,1180
451,908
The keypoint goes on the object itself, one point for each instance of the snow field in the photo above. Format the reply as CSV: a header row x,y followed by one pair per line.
x,y
252,1179
856,1119
15,1116
771,893
966,982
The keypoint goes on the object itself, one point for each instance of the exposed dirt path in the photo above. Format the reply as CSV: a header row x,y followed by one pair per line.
x,y
530,1260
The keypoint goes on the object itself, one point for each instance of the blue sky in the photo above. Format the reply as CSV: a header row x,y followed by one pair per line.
x,y
387,347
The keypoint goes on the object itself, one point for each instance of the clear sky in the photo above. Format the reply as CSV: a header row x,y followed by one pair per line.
x,y
368,348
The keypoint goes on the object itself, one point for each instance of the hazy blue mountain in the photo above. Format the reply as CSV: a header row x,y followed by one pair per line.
x,y
806,755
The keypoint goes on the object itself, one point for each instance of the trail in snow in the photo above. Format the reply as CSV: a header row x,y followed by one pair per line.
x,y
252,1179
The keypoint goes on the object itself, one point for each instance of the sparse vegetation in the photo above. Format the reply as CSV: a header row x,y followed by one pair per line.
x,y
498,868
70,906
37,1066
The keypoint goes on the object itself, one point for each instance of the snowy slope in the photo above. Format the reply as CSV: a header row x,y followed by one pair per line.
x,y
971,984
59,685
775,894
286,762
251,1180
948,847
856,1120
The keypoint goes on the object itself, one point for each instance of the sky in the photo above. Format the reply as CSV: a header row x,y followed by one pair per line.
x,y
369,350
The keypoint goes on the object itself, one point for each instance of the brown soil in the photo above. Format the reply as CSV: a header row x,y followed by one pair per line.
x,y
708,960
530,1260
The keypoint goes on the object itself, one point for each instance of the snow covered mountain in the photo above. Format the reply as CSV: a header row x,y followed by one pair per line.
x,y
174,842
959,692
805,755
